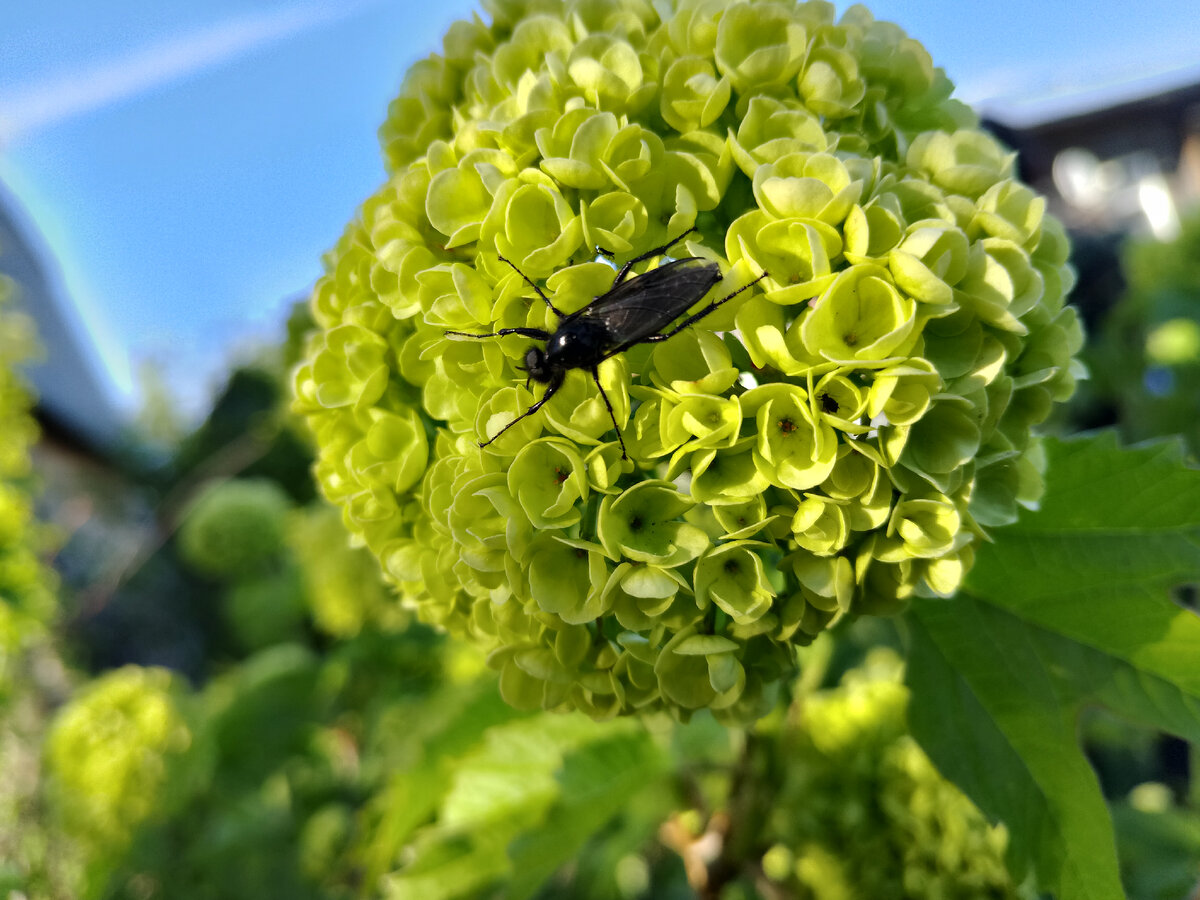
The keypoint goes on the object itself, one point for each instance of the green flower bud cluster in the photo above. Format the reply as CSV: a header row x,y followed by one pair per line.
x,y
109,750
831,441
862,812
234,527
26,585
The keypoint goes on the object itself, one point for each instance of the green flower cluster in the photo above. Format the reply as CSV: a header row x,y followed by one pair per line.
x,y
829,442
109,750
26,585
862,812
234,527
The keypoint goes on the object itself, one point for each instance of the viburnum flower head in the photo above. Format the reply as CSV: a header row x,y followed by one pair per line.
x,y
830,442
110,750
234,528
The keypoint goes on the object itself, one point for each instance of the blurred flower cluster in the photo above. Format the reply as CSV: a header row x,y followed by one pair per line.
x,y
26,585
109,752
234,527
862,812
832,441
282,564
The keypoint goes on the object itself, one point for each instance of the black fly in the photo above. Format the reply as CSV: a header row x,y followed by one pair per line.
x,y
628,313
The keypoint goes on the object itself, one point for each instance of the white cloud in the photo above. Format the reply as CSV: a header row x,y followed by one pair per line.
x,y
25,110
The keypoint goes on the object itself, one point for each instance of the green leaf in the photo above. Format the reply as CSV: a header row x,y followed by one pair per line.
x,y
986,711
516,805
596,782
1069,607
450,724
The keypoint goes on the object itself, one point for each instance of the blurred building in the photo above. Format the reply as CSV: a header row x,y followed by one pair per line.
x,y
79,399
1114,163
1127,166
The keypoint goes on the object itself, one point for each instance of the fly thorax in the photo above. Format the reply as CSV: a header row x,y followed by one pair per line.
x,y
560,343
578,343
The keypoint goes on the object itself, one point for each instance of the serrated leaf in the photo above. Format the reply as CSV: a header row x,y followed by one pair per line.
x,y
1068,607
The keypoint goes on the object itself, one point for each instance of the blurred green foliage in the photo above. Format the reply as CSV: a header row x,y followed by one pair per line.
x,y
860,811
1144,352
389,766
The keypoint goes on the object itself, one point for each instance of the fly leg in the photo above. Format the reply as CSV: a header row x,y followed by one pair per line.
x,y
535,333
551,390
612,415
657,251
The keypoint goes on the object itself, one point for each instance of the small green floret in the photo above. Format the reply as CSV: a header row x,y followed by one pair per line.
x,y
830,442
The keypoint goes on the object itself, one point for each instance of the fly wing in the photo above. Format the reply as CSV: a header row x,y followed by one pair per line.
x,y
644,305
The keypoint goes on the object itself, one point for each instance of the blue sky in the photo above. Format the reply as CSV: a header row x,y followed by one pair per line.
x,y
187,164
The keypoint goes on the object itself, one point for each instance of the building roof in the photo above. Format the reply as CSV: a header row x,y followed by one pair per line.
x,y
76,391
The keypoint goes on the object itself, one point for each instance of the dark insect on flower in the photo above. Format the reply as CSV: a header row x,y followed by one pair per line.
x,y
630,312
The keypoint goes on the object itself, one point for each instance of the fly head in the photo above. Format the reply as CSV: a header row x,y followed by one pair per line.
x,y
537,367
